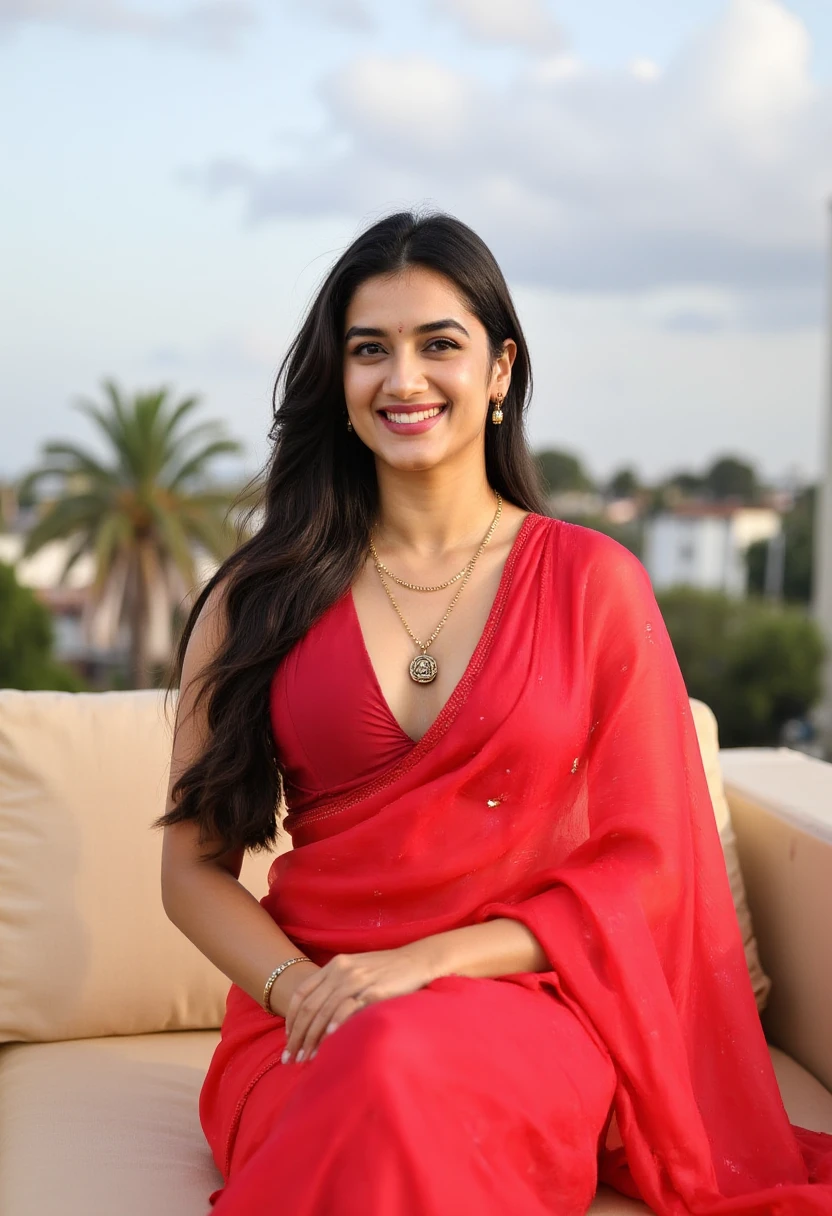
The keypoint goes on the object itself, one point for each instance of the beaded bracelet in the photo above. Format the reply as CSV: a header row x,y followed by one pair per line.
x,y
267,990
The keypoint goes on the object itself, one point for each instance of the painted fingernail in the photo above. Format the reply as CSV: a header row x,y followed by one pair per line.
x,y
301,1054
314,1053
332,1026
286,1057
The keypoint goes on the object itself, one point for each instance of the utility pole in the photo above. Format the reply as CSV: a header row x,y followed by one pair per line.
x,y
822,557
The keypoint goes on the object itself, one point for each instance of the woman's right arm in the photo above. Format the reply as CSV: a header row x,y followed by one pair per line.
x,y
204,899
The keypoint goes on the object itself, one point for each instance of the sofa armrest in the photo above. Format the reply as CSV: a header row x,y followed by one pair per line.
x,y
781,810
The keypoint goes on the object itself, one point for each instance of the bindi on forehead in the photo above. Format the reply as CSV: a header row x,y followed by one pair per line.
x,y
401,327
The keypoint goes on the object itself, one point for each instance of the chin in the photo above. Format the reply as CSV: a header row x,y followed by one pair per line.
x,y
414,464
427,456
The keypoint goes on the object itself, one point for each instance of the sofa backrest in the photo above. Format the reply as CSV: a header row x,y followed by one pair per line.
x,y
86,949
85,946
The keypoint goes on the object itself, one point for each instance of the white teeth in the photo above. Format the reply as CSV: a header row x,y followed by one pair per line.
x,y
418,416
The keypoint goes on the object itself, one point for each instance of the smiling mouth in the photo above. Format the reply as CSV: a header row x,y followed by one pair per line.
x,y
413,415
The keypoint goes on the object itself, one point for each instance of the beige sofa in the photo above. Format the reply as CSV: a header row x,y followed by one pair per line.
x,y
108,1015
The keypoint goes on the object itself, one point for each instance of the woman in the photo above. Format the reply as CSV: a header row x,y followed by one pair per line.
x,y
501,960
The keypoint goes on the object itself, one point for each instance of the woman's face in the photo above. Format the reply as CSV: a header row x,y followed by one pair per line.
x,y
418,376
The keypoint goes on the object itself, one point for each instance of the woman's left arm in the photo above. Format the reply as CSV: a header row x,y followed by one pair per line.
x,y
494,948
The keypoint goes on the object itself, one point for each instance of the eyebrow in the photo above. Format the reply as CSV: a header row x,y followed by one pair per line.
x,y
363,331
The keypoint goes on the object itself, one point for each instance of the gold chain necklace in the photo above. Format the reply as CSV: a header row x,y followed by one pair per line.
x,y
382,569
423,668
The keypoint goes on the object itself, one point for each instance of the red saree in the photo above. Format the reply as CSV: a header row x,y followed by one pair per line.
x,y
561,785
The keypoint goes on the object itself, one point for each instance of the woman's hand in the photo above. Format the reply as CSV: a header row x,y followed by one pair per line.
x,y
327,997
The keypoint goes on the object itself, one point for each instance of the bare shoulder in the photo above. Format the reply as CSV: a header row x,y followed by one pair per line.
x,y
207,637
205,642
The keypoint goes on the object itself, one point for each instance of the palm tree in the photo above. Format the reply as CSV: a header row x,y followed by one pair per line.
x,y
142,512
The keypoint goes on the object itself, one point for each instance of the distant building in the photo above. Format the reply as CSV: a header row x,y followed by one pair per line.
x,y
622,510
703,544
80,639
574,503
88,632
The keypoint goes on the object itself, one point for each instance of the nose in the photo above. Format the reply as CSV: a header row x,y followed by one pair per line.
x,y
405,377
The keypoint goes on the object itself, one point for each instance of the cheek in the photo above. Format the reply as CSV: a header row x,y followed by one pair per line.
x,y
469,372
464,386
359,382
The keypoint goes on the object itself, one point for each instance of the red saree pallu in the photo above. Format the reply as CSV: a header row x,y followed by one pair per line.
x,y
561,785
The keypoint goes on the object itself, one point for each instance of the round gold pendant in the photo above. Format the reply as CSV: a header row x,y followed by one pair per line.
x,y
423,669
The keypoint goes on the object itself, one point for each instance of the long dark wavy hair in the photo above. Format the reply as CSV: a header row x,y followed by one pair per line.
x,y
320,502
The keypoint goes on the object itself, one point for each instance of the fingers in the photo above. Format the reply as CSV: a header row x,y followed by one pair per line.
x,y
304,989
347,1010
330,994
347,1007
317,1028
310,1022
305,1040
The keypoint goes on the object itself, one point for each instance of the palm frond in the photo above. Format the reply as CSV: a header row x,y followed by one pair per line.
x,y
195,464
211,499
31,480
150,433
179,446
176,545
179,411
83,462
216,535
113,544
82,546
112,422
63,519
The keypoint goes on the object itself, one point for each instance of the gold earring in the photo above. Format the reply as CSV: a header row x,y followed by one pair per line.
x,y
497,412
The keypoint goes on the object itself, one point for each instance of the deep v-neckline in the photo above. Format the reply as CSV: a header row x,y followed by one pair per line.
x,y
472,664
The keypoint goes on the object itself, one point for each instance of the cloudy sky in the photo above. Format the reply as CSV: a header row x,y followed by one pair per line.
x,y
653,178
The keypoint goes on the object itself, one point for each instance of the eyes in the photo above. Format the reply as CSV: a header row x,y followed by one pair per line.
x,y
374,348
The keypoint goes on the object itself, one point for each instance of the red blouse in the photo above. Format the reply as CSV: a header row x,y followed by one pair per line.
x,y
332,726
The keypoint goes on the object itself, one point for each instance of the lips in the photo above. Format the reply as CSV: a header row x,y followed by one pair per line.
x,y
412,419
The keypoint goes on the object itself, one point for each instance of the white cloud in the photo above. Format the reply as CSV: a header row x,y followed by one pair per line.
x,y
556,67
521,23
354,14
755,65
411,102
713,175
213,24
645,69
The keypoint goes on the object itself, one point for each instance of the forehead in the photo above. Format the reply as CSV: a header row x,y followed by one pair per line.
x,y
409,297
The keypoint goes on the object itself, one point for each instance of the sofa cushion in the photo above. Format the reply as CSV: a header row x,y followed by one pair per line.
x,y
106,1126
103,1126
708,735
85,944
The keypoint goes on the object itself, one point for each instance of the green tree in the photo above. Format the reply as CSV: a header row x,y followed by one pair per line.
x,y
26,639
624,483
755,664
689,485
142,510
562,471
732,478
798,530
